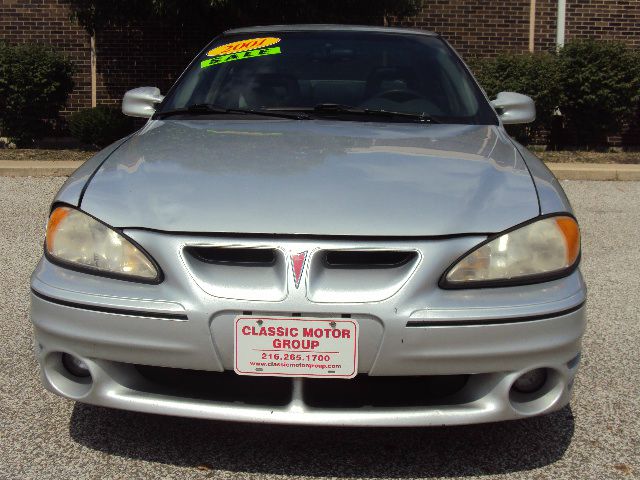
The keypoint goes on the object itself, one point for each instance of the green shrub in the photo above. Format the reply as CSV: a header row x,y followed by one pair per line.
x,y
35,82
535,75
596,85
600,89
99,126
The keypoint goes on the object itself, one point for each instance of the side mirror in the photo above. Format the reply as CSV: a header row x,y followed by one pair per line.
x,y
141,102
514,108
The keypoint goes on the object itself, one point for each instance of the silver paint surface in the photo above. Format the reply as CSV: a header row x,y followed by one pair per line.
x,y
322,27
72,189
514,108
314,177
550,194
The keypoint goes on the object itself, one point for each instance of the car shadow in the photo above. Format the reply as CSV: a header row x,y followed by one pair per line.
x,y
495,448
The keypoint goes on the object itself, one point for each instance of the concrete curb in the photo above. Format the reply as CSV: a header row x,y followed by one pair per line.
x,y
595,171
564,171
36,168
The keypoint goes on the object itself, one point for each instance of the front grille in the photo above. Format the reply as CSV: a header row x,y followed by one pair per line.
x,y
255,273
366,391
261,269
367,258
361,391
234,255
216,386
343,275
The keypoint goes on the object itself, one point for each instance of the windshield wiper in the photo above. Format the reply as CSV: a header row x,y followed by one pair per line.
x,y
209,108
333,108
338,108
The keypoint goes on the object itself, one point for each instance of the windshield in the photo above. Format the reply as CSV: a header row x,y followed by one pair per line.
x,y
408,73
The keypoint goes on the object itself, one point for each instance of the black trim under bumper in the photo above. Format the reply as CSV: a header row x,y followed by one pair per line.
x,y
115,311
491,321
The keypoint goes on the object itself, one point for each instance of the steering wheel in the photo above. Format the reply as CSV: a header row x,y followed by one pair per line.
x,y
398,95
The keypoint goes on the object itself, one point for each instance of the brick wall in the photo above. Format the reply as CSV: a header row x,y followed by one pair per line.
x,y
152,55
481,28
149,55
604,19
475,27
126,57
48,22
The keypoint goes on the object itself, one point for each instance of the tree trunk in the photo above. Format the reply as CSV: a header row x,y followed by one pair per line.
x,y
94,73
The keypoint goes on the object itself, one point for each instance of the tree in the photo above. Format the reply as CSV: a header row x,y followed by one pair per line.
x,y
35,82
533,74
94,15
600,88
217,15
262,12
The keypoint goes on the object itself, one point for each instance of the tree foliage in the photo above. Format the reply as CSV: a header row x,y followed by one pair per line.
x,y
536,75
594,84
600,88
35,82
99,126
95,15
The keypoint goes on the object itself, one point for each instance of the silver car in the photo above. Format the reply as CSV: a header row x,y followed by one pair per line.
x,y
320,225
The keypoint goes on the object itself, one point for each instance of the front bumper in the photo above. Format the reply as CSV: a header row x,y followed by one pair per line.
x,y
481,340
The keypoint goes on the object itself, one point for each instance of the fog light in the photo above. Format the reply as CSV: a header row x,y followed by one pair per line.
x,y
531,381
75,366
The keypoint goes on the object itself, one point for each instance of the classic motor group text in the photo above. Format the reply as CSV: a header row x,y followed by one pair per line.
x,y
296,338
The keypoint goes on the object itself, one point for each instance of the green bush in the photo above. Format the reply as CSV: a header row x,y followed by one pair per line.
x,y
99,126
536,75
595,84
600,89
35,82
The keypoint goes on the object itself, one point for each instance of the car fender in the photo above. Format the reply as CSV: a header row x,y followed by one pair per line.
x,y
72,190
551,196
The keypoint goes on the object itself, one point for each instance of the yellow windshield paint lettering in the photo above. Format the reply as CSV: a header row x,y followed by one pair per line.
x,y
260,52
242,46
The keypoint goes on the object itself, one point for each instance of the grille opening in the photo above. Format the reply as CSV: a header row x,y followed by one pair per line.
x,y
234,255
366,391
361,391
367,258
217,386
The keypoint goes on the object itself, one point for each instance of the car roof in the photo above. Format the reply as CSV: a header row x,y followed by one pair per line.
x,y
329,27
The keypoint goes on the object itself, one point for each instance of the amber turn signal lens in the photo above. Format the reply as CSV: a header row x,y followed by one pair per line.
x,y
57,216
571,233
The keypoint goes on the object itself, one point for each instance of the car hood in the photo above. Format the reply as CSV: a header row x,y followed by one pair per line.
x,y
313,177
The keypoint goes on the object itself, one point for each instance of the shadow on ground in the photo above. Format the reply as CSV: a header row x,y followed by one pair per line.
x,y
312,451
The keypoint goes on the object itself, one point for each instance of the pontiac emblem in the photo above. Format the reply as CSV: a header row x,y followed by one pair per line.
x,y
297,264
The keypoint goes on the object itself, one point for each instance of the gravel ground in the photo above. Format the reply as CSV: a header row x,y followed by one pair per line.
x,y
43,436
45,155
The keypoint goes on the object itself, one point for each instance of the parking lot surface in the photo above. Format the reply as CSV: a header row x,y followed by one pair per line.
x,y
43,436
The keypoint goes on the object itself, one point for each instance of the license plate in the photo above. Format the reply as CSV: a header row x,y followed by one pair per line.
x,y
296,347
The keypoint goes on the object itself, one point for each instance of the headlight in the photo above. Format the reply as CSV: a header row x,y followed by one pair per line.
x,y
538,251
77,240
